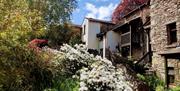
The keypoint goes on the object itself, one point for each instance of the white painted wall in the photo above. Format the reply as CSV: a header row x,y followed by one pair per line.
x,y
84,37
91,30
112,40
101,44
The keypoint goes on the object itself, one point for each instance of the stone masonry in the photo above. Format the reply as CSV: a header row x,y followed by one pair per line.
x,y
164,12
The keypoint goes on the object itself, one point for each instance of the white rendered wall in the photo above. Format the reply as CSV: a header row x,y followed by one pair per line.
x,y
113,39
101,44
93,30
84,37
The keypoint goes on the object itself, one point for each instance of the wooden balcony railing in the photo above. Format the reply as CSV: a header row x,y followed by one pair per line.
x,y
125,38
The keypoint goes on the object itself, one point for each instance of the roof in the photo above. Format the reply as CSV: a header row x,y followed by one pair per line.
x,y
75,25
100,21
136,9
126,7
118,26
123,24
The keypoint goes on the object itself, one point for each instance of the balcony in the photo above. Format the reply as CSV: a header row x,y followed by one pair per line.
x,y
125,39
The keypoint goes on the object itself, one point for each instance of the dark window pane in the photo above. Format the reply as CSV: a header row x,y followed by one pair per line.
x,y
170,76
171,79
171,33
126,51
84,29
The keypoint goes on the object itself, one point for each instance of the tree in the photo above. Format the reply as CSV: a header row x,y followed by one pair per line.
x,y
56,14
76,35
20,23
58,34
20,68
125,7
54,11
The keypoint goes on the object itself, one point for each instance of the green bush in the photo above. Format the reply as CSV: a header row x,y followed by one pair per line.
x,y
160,88
63,83
75,39
21,69
58,34
152,81
175,89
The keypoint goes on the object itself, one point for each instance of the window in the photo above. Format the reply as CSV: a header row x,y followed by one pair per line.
x,y
170,76
136,36
84,32
125,51
172,33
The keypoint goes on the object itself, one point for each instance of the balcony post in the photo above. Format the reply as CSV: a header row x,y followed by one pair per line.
x,y
130,29
104,46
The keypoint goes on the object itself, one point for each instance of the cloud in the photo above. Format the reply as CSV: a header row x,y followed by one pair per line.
x,y
77,10
92,10
102,12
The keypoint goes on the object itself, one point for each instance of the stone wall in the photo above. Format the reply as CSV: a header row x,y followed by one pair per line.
x,y
178,18
176,64
163,12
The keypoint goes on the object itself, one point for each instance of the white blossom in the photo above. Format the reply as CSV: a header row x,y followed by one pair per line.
x,y
100,73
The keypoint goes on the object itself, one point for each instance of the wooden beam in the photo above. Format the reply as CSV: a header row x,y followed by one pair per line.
x,y
130,39
127,44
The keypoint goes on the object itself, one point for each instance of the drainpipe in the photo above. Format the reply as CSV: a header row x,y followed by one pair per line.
x,y
104,46
149,45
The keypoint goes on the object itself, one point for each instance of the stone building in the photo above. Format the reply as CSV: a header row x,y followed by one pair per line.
x,y
165,39
157,28
150,34
133,30
154,28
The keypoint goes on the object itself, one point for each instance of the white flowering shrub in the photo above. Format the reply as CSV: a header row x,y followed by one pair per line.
x,y
102,76
95,73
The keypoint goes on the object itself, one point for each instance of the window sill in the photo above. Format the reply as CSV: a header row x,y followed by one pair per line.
x,y
172,85
174,45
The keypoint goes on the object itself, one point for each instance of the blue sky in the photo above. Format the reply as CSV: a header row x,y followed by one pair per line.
x,y
99,9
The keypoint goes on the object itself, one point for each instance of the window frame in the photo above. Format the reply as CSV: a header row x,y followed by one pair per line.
x,y
171,28
171,77
84,29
